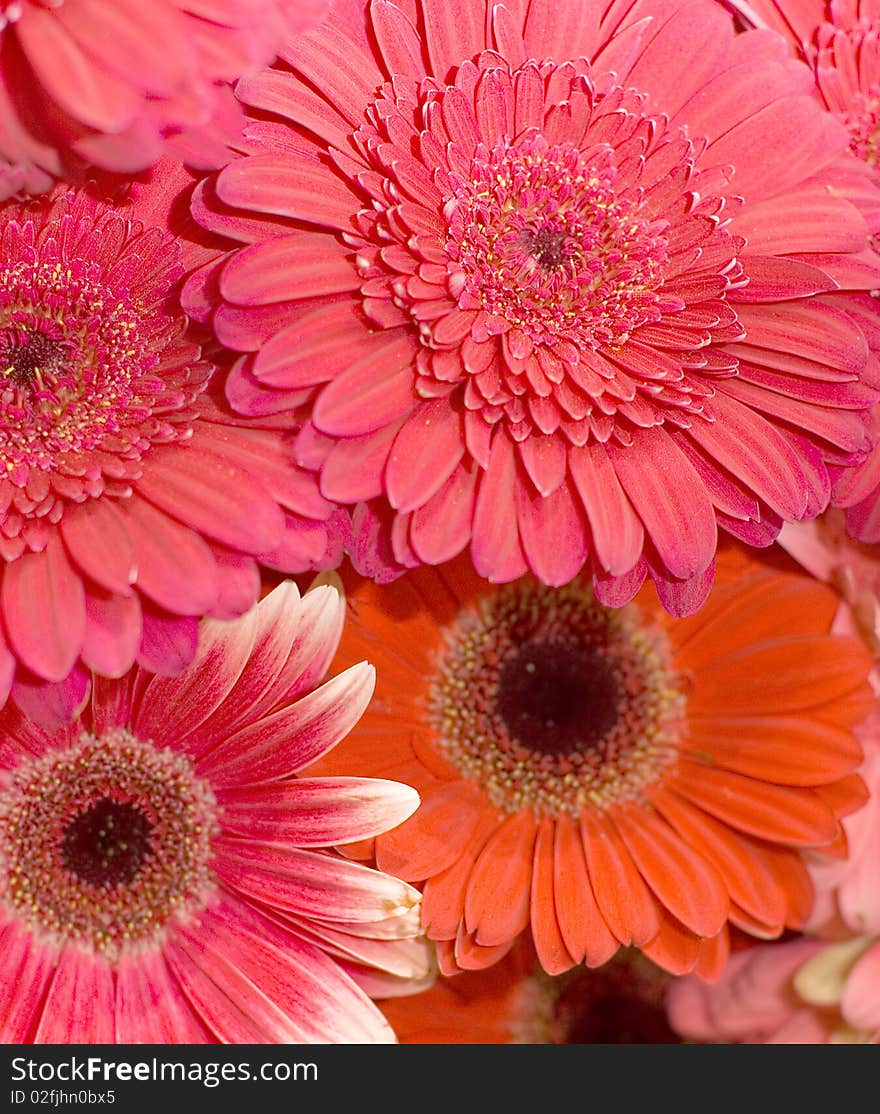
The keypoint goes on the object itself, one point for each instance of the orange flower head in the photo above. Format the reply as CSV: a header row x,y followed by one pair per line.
x,y
608,777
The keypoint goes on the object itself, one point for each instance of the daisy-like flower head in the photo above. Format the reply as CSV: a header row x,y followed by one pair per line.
x,y
114,82
164,872
130,503
608,777
516,1002
530,283
840,40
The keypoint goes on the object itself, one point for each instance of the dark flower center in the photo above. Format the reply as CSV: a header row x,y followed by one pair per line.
x,y
107,844
555,698
547,245
35,354
615,1005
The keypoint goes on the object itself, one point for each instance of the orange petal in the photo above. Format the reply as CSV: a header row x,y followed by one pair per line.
x,y
433,838
673,948
845,796
788,675
362,849
471,956
849,710
793,878
714,954
586,935
443,897
446,958
683,880
778,813
748,613
496,904
788,750
754,926
749,882
552,953
623,897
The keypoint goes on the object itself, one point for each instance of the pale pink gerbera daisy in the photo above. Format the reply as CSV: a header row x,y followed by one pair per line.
x,y
113,81
163,867
563,283
130,502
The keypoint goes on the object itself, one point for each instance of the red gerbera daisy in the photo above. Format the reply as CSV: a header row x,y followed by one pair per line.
x,y
608,776
163,872
130,503
562,285
112,82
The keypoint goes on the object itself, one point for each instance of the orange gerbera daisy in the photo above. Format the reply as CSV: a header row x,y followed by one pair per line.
x,y
516,1002
608,777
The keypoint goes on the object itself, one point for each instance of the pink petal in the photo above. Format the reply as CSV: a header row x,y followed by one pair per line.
x,y
113,632
50,705
175,567
616,529
670,499
442,527
311,883
98,543
426,451
151,1007
743,442
317,812
213,496
80,1004
495,546
172,708
553,532
29,967
284,742
374,391
86,91
255,983
286,268
289,186
44,610
239,586
454,31
168,643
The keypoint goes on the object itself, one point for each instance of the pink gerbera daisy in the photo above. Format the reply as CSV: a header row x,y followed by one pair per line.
x,y
840,39
163,867
565,285
112,82
130,502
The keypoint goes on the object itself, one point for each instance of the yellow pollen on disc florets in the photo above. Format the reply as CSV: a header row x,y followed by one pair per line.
x,y
104,842
551,701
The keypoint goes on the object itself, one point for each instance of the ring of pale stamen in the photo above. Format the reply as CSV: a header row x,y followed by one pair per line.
x,y
529,264
49,804
541,236
464,708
